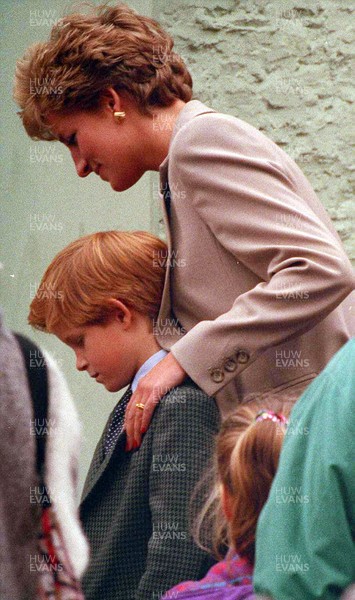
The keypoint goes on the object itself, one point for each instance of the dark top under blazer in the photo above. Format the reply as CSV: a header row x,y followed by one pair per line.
x,y
135,505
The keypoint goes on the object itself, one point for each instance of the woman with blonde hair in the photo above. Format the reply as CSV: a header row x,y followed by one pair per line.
x,y
248,447
254,296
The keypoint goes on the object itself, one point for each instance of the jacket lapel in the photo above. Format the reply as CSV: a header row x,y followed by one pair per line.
x,y
165,339
99,461
165,306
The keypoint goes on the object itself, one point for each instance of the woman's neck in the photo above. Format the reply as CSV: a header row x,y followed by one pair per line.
x,y
156,132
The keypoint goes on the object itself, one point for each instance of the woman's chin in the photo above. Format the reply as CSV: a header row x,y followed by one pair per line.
x,y
126,184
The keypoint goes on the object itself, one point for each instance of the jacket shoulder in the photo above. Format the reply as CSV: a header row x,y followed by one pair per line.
x,y
188,399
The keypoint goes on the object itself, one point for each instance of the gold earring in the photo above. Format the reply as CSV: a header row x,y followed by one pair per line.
x,y
119,116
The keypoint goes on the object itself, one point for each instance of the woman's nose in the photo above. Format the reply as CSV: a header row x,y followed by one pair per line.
x,y
83,168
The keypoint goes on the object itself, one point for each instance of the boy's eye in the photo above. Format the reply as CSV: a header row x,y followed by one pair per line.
x,y
71,141
80,341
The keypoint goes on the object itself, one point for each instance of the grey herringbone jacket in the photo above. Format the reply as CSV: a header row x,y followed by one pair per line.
x,y
135,506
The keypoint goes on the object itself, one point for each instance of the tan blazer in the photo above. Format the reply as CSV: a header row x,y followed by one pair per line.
x,y
257,275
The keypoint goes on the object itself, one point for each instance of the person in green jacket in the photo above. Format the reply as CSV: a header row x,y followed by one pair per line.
x,y
305,541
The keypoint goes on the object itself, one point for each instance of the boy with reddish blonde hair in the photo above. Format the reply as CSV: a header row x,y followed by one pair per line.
x,y
105,296
90,271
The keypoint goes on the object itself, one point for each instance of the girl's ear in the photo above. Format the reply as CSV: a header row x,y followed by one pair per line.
x,y
121,312
226,503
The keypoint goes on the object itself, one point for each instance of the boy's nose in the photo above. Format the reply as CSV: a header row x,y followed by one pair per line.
x,y
81,363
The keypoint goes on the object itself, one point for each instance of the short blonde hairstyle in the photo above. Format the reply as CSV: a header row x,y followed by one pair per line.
x,y
80,281
87,53
246,460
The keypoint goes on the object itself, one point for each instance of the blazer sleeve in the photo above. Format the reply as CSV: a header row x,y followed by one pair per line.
x,y
185,424
262,210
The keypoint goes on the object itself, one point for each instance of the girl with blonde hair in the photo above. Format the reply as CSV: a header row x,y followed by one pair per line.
x,y
247,452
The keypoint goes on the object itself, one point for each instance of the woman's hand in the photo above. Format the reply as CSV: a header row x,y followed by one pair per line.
x,y
162,378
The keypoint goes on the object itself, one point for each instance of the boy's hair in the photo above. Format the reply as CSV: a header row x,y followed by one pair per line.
x,y
246,460
86,53
80,281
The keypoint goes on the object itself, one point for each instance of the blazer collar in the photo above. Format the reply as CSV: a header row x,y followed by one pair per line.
x,y
99,461
191,109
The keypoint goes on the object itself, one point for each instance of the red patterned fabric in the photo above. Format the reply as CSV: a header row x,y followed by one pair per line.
x,y
56,578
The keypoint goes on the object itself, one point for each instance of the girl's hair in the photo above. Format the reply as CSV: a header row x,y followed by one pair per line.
x,y
86,53
81,280
246,460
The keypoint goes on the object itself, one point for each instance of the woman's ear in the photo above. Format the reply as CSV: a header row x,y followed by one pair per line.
x,y
111,99
121,312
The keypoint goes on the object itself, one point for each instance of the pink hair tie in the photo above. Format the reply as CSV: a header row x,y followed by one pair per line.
x,y
269,415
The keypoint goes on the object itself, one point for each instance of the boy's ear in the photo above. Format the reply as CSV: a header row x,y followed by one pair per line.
x,y
121,311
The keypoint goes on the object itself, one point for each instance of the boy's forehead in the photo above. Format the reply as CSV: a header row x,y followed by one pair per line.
x,y
67,333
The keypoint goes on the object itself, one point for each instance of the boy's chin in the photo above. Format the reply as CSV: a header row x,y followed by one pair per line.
x,y
114,387
119,187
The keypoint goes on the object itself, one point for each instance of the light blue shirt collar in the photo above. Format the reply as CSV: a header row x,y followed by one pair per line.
x,y
147,366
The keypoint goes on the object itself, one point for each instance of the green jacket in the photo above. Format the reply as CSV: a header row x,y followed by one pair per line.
x,y
306,532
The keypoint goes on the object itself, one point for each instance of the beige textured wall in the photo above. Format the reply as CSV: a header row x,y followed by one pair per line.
x,y
285,67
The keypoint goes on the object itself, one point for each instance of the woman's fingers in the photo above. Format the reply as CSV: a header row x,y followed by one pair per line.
x,y
142,414
151,388
131,412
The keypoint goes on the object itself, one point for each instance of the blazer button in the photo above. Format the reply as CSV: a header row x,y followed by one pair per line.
x,y
217,375
230,365
242,356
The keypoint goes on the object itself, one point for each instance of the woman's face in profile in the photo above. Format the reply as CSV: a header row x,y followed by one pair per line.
x,y
98,144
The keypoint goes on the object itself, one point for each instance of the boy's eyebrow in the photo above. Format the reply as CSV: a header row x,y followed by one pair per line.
x,y
71,339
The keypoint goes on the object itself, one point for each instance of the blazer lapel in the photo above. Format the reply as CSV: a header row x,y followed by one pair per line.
x,y
165,325
100,461
165,306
